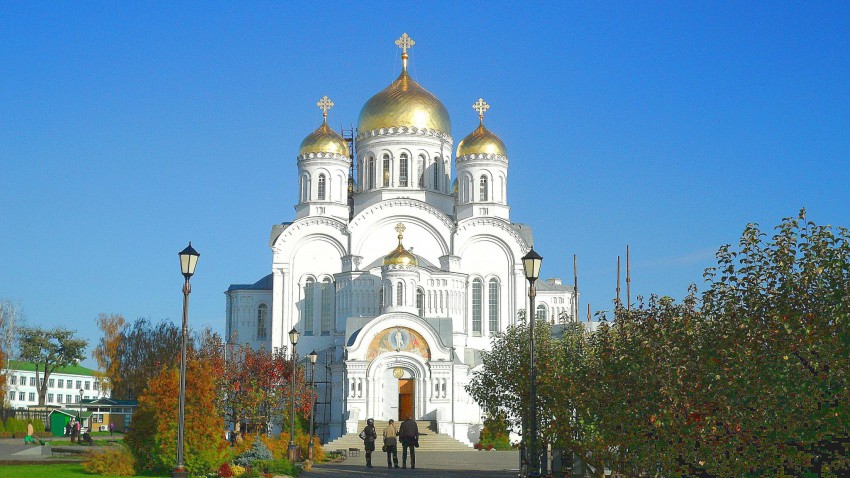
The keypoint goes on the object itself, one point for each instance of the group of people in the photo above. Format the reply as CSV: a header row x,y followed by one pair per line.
x,y
407,433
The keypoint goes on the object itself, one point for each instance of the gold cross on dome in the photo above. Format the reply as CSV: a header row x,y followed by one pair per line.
x,y
399,228
325,104
404,42
480,106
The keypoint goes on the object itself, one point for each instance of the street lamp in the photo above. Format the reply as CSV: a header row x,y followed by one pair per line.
x,y
80,417
188,261
531,265
312,356
291,451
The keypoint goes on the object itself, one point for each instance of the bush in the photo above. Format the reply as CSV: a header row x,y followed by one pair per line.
x,y
495,434
38,425
224,471
258,452
275,467
110,461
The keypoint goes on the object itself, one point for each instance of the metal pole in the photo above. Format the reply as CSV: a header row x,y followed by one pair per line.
x,y
312,407
180,471
291,448
534,468
452,360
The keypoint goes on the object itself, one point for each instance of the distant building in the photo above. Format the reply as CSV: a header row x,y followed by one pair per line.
x,y
63,385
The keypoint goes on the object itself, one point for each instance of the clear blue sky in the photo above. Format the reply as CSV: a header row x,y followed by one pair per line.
x,y
129,128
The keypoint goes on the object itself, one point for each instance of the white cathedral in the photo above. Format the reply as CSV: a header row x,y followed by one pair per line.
x,y
396,276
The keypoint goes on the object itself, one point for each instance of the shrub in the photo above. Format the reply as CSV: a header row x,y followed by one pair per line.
x,y
224,471
495,434
258,452
275,467
477,446
111,461
238,470
38,425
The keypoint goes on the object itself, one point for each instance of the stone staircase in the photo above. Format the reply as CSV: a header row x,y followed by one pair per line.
x,y
429,439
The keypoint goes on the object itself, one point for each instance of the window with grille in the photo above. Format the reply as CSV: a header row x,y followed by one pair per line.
x,y
307,317
402,171
386,174
483,188
420,302
262,318
493,306
327,306
321,187
476,306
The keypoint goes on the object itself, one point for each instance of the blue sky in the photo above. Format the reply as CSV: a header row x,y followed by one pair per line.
x,y
128,129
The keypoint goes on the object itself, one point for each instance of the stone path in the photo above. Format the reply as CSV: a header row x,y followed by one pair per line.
x,y
471,464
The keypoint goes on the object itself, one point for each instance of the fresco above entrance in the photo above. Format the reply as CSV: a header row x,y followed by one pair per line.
x,y
398,339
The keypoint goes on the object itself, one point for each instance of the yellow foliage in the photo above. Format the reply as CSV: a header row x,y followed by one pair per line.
x,y
111,461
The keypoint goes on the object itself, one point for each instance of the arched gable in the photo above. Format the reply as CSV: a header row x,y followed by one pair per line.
x,y
366,344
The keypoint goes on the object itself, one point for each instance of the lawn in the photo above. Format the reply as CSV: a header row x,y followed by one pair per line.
x,y
51,471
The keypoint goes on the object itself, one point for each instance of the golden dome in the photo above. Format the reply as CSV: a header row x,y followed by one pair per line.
x,y
404,103
324,139
400,256
482,140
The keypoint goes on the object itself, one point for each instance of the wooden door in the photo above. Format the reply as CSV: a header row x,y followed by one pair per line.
x,y
405,398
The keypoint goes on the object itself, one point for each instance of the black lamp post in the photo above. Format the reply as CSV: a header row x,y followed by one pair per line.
x,y
80,418
531,265
292,449
312,356
188,261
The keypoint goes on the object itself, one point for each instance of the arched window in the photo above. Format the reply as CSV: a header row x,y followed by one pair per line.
x,y
402,170
370,174
437,173
420,301
421,173
327,306
482,188
307,316
262,319
386,175
541,312
476,306
493,306
321,187
302,185
399,294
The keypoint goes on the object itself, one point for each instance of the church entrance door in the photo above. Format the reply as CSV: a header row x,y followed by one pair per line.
x,y
405,398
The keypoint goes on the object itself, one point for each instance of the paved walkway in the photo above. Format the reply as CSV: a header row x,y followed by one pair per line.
x,y
471,464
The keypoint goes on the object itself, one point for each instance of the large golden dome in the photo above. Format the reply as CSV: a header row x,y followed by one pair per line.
x,y
404,103
324,139
482,140
400,256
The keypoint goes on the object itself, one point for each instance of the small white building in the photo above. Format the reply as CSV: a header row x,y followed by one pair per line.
x,y
400,264
63,385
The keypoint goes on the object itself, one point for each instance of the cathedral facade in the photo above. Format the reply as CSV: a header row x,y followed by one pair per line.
x,y
399,265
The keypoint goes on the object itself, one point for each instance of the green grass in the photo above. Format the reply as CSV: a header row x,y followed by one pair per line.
x,y
51,471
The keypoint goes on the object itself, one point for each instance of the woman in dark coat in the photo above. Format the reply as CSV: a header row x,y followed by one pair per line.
x,y
369,435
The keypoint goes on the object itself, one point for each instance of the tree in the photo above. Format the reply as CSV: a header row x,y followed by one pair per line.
x,y
49,350
143,350
153,437
10,317
108,351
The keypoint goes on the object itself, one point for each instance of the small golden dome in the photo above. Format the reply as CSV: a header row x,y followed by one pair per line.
x,y
404,103
400,256
324,139
482,140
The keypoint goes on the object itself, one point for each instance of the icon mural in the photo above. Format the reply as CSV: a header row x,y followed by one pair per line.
x,y
401,339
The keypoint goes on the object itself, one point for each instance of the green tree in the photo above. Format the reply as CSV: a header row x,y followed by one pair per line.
x,y
143,349
49,350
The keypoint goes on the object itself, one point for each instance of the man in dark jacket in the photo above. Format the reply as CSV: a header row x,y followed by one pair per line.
x,y
368,435
408,434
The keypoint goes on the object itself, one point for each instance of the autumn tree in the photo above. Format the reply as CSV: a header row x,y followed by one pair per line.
x,y
10,318
153,437
49,350
107,353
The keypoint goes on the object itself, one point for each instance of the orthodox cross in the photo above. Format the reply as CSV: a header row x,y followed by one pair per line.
x,y
325,104
399,228
404,42
480,106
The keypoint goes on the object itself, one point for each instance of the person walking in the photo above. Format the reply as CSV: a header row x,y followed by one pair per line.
x,y
408,434
369,435
111,428
391,444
